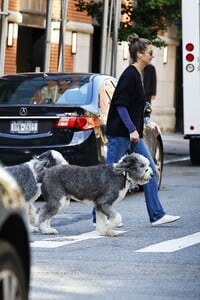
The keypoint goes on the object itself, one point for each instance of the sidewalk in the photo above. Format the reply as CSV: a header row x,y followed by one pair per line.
x,y
174,143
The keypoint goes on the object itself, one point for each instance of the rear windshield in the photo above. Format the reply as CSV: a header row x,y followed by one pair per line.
x,y
69,90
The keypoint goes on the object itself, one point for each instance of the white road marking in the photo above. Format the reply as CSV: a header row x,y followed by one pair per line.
x,y
56,242
173,245
166,246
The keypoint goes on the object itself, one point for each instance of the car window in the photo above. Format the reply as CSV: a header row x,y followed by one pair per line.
x,y
18,90
78,92
69,90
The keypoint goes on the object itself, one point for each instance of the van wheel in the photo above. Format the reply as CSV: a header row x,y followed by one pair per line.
x,y
195,151
12,277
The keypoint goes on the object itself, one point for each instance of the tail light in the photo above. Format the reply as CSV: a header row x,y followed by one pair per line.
x,y
189,47
189,57
82,123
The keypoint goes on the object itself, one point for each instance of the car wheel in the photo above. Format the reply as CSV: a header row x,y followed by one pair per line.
x,y
158,159
12,278
194,151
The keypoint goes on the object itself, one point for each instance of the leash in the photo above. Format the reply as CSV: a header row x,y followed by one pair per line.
x,y
126,178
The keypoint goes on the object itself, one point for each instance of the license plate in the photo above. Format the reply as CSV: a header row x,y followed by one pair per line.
x,y
24,127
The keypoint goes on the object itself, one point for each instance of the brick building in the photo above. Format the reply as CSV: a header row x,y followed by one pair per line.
x,y
27,44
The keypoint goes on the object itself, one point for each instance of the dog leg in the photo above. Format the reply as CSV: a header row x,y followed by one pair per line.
x,y
104,225
45,227
48,211
30,210
115,220
33,229
32,213
101,221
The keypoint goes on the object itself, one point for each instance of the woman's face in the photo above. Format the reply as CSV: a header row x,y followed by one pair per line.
x,y
146,57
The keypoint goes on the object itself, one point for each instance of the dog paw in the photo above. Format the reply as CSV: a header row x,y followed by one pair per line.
x,y
111,224
115,222
109,233
47,229
33,229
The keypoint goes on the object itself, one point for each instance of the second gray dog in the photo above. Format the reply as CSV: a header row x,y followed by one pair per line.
x,y
26,174
100,185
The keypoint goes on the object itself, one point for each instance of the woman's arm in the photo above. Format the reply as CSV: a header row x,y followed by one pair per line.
x,y
124,115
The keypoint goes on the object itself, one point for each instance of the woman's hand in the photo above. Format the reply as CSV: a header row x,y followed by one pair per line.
x,y
134,136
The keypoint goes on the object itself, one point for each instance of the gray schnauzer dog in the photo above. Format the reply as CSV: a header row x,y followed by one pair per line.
x,y
26,175
100,185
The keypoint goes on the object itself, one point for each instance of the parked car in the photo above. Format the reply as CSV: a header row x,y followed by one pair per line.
x,y
153,139
62,111
14,241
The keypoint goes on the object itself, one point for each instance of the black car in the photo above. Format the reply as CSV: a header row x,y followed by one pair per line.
x,y
66,112
14,241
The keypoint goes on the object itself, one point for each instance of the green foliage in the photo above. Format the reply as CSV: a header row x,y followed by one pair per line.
x,y
146,19
93,8
154,15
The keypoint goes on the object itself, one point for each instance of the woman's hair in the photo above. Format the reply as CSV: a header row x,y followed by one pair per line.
x,y
136,45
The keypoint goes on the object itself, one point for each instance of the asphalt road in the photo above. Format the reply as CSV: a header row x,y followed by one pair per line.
x,y
141,263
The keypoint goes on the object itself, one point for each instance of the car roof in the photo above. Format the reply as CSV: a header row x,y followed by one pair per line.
x,y
52,74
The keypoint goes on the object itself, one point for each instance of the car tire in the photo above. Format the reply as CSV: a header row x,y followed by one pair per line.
x,y
194,151
12,277
158,159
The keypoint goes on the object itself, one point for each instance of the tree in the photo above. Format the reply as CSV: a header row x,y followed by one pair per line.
x,y
145,17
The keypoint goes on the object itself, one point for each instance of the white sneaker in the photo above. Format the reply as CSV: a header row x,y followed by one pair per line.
x,y
165,219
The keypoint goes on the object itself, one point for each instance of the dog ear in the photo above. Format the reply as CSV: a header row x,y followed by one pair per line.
x,y
44,156
46,160
40,166
124,164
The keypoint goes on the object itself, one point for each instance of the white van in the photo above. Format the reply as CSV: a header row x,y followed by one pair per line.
x,y
191,75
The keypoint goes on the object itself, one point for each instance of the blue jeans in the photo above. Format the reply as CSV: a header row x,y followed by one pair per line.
x,y
154,207
119,146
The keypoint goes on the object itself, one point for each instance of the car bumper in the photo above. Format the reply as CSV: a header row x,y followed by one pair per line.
x,y
78,153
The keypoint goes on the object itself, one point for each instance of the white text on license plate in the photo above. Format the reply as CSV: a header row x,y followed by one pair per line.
x,y
24,127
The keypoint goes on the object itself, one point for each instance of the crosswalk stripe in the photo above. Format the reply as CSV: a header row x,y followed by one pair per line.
x,y
173,245
166,246
56,242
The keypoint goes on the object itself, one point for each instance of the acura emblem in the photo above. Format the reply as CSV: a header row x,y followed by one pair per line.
x,y
23,111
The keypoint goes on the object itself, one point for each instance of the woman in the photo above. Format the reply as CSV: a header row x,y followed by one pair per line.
x,y
150,82
125,123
